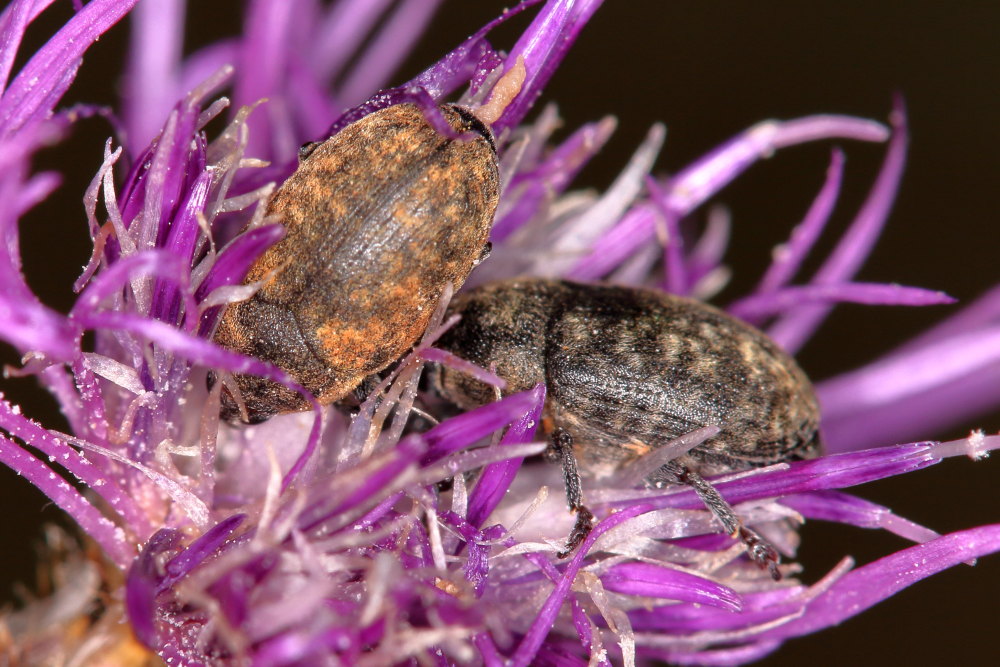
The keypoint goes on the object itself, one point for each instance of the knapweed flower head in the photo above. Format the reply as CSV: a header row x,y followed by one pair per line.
x,y
332,538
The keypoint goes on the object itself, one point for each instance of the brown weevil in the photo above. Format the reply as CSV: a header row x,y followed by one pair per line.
x,y
628,370
379,218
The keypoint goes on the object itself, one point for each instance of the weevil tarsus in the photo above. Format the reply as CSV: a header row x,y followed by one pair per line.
x,y
760,552
561,444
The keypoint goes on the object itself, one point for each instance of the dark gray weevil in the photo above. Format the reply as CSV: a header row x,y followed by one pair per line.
x,y
627,370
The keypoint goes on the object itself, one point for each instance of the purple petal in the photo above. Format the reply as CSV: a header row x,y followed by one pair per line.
x,y
205,546
789,257
795,328
40,84
143,583
694,185
465,429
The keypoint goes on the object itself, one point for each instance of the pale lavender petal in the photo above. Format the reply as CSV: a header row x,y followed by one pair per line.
x,y
342,31
923,388
764,304
674,266
448,359
984,311
533,189
845,508
153,64
724,657
387,50
706,256
203,63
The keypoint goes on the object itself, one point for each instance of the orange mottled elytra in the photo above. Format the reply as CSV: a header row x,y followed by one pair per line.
x,y
378,218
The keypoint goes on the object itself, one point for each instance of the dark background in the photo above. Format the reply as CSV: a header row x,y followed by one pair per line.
x,y
709,70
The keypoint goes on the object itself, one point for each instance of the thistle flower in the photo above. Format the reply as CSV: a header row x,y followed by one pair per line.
x,y
321,539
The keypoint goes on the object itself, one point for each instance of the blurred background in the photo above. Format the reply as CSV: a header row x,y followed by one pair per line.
x,y
710,69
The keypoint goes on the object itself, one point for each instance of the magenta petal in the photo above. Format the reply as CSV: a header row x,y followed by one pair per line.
x,y
789,258
543,46
795,328
649,580
496,478
860,589
101,529
207,545
463,430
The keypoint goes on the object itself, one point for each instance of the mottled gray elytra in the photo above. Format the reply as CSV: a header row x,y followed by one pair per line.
x,y
627,370
379,219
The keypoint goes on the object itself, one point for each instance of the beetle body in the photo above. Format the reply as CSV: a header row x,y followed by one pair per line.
x,y
379,219
628,370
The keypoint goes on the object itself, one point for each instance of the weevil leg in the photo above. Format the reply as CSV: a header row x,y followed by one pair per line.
x,y
760,552
484,253
561,443
307,149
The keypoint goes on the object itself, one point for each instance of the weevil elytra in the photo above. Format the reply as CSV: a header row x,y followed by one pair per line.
x,y
378,219
628,370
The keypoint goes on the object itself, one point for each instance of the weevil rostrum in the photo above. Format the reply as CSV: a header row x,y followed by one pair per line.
x,y
628,370
379,219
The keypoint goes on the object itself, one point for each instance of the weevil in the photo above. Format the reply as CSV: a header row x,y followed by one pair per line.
x,y
628,370
378,219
